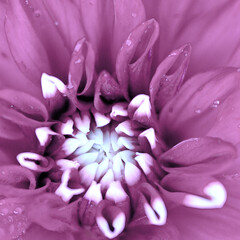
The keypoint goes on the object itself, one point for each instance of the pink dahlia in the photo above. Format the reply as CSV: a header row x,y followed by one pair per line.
x,y
102,136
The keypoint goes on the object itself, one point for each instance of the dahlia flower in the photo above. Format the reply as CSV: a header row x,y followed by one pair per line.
x,y
119,120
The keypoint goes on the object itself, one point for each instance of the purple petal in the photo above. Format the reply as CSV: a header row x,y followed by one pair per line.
x,y
53,214
169,76
107,91
36,49
215,44
97,20
134,59
227,123
24,103
37,232
199,156
26,47
210,224
150,232
82,74
195,109
127,16
66,17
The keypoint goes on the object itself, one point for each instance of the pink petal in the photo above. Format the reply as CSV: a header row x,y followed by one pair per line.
x,y
81,75
199,156
127,16
97,20
194,110
53,214
134,59
201,192
211,224
210,28
107,91
26,47
16,181
25,104
10,130
37,232
8,68
66,17
151,232
169,76
227,125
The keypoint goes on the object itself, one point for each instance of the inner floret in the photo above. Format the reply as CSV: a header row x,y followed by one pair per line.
x,y
102,154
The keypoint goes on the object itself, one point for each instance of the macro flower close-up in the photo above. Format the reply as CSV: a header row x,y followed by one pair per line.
x,y
120,119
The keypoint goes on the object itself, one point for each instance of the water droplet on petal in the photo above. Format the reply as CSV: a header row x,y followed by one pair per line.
x,y
215,104
172,54
10,219
4,211
18,210
37,13
78,61
128,42
198,111
56,23
134,15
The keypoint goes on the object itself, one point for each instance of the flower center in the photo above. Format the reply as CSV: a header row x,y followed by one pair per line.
x,y
110,160
101,154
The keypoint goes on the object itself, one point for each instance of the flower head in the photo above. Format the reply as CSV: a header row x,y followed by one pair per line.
x,y
113,145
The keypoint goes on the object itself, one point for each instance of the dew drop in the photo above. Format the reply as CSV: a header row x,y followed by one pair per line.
x,y
10,219
56,23
134,15
18,210
4,212
198,111
215,104
78,61
37,13
128,42
172,54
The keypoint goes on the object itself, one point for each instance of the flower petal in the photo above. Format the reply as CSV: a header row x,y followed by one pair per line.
x,y
37,232
127,16
110,219
107,91
209,27
53,214
26,47
134,59
193,112
151,232
199,156
24,103
66,17
169,76
16,181
81,77
98,29
200,192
